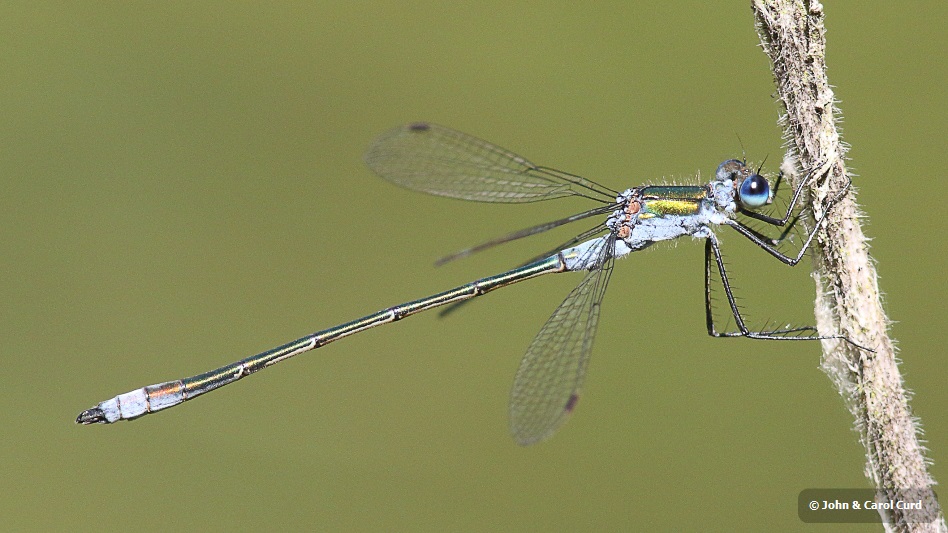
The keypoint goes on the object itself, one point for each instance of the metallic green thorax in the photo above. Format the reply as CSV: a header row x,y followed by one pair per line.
x,y
665,200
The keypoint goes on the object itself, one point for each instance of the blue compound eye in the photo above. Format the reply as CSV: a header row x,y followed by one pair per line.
x,y
755,192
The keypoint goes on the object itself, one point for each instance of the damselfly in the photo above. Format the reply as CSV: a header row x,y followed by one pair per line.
x,y
436,160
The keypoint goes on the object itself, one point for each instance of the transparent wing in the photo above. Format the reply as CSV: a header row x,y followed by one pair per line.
x,y
550,377
527,232
437,160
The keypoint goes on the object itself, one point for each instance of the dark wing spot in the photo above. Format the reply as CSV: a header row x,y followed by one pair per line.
x,y
571,403
419,126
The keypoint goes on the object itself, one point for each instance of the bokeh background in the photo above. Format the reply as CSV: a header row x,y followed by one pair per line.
x,y
182,186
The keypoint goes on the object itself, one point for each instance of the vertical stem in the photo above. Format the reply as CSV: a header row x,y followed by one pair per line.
x,y
847,300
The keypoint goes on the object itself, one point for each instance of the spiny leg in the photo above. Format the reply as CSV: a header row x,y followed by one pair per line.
x,y
761,241
712,248
783,234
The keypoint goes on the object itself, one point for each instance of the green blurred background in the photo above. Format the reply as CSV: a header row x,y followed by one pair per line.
x,y
183,186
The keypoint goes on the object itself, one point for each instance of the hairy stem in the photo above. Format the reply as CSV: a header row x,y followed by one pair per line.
x,y
847,300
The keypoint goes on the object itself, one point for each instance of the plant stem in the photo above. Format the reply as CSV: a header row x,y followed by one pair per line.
x,y
847,296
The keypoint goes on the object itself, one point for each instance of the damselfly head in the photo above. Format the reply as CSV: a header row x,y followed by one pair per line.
x,y
753,190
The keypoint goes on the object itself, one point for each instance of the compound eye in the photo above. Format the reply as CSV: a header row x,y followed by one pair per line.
x,y
754,192
729,169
